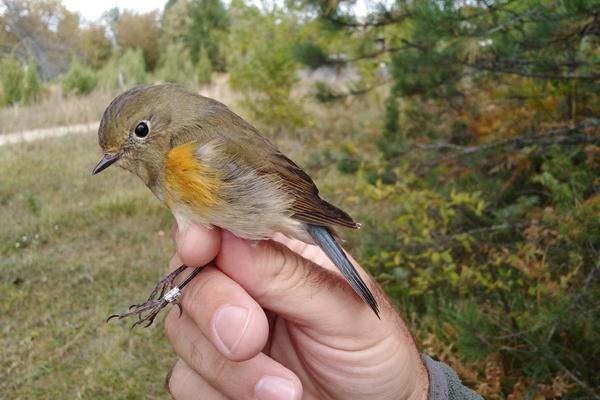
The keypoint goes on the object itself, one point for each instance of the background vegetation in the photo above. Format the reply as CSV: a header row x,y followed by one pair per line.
x,y
463,135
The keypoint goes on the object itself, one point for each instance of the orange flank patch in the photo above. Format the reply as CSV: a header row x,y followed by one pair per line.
x,y
188,180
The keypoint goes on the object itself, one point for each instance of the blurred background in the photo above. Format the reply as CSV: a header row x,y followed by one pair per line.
x,y
463,135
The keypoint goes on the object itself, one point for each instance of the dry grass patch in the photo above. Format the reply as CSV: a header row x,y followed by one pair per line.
x,y
54,112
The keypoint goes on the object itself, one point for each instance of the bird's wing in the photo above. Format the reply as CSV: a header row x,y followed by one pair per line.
x,y
307,206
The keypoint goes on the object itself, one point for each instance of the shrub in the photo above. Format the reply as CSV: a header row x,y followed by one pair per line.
x,y
262,67
176,65
32,83
2,103
203,68
209,24
79,79
124,72
310,54
495,274
11,74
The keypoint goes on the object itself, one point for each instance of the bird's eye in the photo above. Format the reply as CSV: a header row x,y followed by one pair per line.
x,y
141,130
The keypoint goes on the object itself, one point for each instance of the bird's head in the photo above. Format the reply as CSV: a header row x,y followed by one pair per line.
x,y
140,126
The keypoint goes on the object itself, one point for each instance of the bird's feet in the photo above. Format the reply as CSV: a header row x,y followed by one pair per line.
x,y
148,311
165,284
167,293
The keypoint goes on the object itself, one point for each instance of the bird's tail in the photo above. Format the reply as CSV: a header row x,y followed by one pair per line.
x,y
323,237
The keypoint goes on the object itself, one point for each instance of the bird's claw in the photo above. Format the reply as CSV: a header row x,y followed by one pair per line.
x,y
149,310
167,293
146,312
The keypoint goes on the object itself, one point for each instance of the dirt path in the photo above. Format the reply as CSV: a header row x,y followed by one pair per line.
x,y
57,131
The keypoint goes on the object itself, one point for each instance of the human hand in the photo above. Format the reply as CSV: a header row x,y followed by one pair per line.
x,y
264,322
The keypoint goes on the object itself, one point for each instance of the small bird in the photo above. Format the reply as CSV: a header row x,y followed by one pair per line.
x,y
211,167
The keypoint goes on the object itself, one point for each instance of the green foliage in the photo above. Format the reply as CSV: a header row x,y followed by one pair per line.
x,y
139,31
193,37
80,79
266,78
18,83
176,66
518,290
486,187
32,83
11,73
418,255
261,64
203,68
209,23
124,72
32,204
310,54
175,23
94,45
390,141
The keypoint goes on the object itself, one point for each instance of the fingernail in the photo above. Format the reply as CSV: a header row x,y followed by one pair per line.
x,y
274,388
230,323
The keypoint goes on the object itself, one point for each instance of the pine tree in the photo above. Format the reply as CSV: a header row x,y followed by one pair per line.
x,y
208,29
490,121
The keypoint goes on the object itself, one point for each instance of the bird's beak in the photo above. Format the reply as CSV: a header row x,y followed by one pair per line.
x,y
106,162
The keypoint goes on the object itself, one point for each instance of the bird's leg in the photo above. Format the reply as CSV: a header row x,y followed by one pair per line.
x,y
149,310
165,284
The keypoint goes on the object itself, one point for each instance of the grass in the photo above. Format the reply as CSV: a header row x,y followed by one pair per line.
x,y
76,248
54,112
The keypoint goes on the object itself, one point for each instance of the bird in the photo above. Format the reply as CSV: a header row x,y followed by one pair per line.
x,y
211,167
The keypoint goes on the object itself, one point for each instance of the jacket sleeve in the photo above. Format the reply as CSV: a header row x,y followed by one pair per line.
x,y
444,384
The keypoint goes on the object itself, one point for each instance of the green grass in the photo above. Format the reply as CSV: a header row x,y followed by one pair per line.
x,y
74,249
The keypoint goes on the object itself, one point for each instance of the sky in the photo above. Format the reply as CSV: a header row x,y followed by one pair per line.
x,y
91,10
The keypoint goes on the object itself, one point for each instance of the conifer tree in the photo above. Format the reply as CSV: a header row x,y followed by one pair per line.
x,y
491,119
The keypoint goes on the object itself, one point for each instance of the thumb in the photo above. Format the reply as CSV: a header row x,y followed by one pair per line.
x,y
294,287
